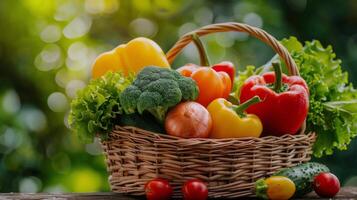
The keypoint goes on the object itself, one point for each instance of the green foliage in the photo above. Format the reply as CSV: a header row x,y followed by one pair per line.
x,y
243,75
155,90
95,109
333,105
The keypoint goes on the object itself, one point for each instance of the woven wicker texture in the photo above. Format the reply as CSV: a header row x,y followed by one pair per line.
x,y
229,166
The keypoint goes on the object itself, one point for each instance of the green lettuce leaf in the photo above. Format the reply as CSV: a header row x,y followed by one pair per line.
x,y
96,107
243,75
333,105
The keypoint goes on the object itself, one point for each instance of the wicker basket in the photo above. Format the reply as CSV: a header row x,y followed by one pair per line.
x,y
229,166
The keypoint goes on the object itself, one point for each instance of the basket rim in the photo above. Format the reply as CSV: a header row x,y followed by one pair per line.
x,y
286,137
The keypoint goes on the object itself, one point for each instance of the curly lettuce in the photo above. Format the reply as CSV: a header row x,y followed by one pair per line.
x,y
96,107
333,100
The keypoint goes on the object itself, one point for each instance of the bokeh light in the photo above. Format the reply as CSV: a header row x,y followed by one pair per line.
x,y
185,28
101,6
34,119
94,148
143,27
11,102
78,51
57,102
51,33
66,11
253,19
78,27
225,40
50,58
11,139
73,86
30,185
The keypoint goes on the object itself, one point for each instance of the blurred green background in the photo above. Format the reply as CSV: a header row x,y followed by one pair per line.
x,y
46,50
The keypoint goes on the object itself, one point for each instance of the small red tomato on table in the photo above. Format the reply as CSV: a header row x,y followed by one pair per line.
x,y
195,189
326,185
158,189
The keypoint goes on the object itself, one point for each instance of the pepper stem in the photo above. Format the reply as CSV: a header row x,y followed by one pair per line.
x,y
204,61
278,76
242,107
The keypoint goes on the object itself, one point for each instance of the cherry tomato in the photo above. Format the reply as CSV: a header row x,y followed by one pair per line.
x,y
326,185
158,189
280,187
195,190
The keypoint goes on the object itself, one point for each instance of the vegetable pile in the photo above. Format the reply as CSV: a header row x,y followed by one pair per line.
x,y
133,85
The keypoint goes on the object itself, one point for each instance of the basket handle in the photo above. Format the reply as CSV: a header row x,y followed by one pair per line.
x,y
234,26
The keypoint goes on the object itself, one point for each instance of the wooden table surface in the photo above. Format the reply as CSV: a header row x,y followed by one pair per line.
x,y
345,193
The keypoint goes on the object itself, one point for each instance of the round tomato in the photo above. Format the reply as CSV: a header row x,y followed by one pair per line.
x,y
158,189
195,190
326,185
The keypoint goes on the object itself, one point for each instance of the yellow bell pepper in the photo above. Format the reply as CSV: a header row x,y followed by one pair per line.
x,y
130,58
230,121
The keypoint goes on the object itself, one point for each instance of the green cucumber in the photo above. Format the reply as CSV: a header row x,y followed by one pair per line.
x,y
303,176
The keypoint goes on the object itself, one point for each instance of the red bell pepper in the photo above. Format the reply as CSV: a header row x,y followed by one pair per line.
x,y
285,101
227,67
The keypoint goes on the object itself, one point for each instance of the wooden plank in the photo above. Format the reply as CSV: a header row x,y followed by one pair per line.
x,y
345,193
69,196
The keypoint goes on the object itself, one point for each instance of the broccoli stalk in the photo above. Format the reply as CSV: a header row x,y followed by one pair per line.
x,y
155,90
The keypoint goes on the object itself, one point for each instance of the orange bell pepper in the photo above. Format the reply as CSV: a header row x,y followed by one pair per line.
x,y
211,84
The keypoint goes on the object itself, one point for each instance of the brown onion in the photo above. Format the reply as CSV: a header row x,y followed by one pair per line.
x,y
188,120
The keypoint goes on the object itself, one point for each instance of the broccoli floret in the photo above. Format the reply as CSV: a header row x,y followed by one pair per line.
x,y
155,90
130,100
